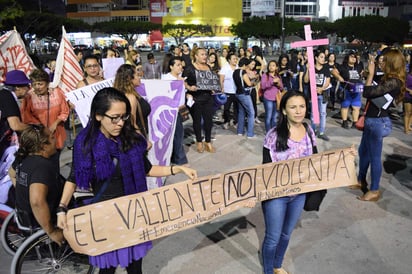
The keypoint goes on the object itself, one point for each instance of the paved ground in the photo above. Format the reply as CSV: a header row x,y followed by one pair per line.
x,y
345,236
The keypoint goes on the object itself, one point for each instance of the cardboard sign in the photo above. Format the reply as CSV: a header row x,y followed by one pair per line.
x,y
207,80
133,219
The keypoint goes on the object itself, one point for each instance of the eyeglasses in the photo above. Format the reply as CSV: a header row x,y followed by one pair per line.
x,y
116,119
92,66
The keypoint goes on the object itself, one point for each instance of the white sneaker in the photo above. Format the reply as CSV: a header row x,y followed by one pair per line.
x,y
226,126
257,121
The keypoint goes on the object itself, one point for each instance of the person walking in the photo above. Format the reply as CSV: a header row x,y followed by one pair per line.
x,y
290,139
271,85
111,156
377,122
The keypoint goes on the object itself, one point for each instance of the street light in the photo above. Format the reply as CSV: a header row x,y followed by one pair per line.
x,y
282,45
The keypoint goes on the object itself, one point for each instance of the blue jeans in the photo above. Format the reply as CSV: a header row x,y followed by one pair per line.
x,y
245,108
271,114
370,149
281,216
322,115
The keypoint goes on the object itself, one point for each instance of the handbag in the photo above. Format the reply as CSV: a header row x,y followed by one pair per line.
x,y
314,198
360,124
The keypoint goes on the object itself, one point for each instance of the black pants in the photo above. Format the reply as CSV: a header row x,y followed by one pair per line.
x,y
231,100
253,95
202,111
135,267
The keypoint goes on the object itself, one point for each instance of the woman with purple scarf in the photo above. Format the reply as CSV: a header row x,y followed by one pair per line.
x,y
109,158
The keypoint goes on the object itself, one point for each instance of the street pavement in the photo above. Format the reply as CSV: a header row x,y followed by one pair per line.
x,y
345,236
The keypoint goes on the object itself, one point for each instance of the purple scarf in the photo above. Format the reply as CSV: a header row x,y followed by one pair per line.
x,y
98,165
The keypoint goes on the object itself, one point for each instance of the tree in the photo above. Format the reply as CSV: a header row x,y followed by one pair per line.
x,y
9,9
181,32
126,29
370,29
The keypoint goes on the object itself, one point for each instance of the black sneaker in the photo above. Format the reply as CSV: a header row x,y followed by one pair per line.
x,y
345,124
353,125
323,137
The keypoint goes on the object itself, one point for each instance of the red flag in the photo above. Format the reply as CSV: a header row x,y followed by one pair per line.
x,y
68,71
13,54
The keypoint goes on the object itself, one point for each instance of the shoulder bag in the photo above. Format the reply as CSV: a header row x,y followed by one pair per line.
x,y
360,124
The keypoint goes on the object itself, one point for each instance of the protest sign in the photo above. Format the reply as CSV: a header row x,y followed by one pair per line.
x,y
110,66
82,98
156,213
207,80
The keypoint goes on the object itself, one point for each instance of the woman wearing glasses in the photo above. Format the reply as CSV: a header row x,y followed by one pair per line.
x,y
92,71
111,154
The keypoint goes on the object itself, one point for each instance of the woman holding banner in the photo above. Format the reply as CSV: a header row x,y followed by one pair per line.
x,y
109,158
203,107
291,139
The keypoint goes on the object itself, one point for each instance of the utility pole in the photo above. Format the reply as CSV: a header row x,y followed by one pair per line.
x,y
282,45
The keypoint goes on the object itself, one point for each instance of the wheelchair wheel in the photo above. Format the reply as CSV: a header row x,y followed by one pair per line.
x,y
11,236
39,254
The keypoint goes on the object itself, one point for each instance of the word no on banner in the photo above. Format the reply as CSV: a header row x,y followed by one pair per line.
x,y
134,219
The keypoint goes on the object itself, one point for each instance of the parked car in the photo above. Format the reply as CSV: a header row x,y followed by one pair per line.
x,y
145,48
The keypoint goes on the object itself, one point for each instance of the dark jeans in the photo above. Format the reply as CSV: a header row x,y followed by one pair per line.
x,y
253,95
231,101
203,109
178,153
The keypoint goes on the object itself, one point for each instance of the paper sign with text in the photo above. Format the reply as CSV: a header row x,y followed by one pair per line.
x,y
133,219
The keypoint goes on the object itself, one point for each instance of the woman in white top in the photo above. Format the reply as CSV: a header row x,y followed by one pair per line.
x,y
174,72
229,88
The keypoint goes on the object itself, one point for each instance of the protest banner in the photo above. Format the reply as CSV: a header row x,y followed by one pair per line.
x,y
133,219
68,71
207,80
13,54
110,66
164,98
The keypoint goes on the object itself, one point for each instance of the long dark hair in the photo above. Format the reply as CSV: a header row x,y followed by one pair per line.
x,y
101,103
282,128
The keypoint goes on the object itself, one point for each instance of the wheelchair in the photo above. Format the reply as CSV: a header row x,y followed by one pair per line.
x,y
34,252
12,233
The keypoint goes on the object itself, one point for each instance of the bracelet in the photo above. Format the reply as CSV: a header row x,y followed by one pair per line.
x,y
63,205
61,209
171,170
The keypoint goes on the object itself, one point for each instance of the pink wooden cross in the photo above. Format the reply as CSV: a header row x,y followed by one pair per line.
x,y
309,43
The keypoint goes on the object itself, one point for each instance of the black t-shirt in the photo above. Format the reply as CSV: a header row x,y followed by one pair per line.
x,y
36,169
146,109
8,108
186,58
190,74
350,74
237,78
321,75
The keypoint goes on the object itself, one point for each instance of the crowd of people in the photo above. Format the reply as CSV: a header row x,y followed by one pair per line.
x,y
110,153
